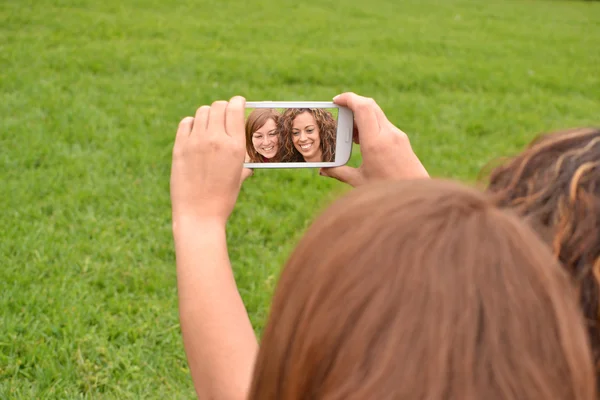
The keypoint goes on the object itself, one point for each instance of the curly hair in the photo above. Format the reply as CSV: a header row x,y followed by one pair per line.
x,y
327,131
254,122
555,185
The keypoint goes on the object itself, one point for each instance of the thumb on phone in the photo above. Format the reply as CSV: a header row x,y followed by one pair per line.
x,y
345,174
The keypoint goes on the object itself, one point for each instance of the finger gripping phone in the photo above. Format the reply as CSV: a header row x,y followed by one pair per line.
x,y
297,134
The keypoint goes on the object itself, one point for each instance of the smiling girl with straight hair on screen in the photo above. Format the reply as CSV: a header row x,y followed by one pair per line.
x,y
262,138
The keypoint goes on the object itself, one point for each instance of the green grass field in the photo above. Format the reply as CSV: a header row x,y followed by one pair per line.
x,y
90,97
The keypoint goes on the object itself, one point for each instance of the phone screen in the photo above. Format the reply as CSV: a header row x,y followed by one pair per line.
x,y
291,135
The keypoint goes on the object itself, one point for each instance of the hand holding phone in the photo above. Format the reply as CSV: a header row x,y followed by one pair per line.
x,y
208,156
297,134
385,149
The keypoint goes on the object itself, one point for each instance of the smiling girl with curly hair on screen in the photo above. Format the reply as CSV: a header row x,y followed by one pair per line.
x,y
307,135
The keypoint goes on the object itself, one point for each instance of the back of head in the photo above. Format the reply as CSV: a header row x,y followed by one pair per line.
x,y
555,184
422,290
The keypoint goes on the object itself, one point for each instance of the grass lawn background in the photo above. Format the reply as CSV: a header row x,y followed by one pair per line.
x,y
90,97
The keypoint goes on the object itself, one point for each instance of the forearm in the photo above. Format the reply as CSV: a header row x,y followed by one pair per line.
x,y
218,338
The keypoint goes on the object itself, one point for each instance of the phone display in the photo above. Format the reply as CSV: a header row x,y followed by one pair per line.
x,y
297,134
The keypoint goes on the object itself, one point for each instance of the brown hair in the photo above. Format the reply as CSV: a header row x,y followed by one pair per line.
x,y
327,131
555,184
422,290
254,122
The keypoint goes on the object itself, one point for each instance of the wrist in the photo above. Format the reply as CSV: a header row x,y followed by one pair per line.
x,y
416,168
184,224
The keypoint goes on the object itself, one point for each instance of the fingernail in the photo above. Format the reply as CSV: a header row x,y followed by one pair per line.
x,y
336,97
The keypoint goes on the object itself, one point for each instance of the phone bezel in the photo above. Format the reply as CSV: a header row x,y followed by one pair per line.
x,y
343,138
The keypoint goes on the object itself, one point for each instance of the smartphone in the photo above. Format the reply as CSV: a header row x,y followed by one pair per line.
x,y
297,134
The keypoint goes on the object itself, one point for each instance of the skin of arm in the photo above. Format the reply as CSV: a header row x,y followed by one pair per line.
x,y
218,338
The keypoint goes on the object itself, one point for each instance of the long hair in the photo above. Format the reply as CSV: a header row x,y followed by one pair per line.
x,y
327,131
422,290
555,184
254,122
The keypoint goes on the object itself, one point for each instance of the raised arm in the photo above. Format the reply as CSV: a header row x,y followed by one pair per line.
x,y
206,174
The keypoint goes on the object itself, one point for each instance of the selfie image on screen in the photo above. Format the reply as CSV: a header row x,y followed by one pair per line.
x,y
275,135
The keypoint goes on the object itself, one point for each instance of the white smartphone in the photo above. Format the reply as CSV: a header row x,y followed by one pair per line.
x,y
297,134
